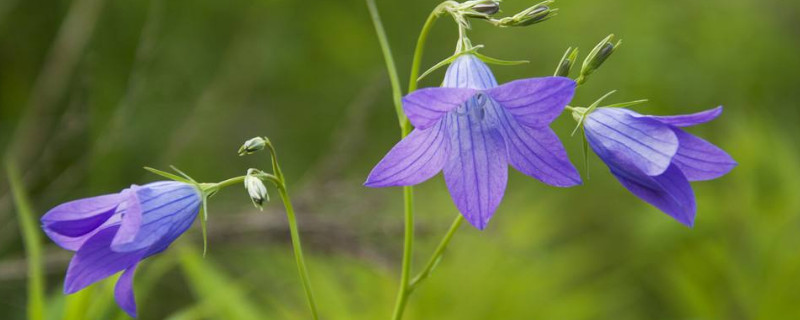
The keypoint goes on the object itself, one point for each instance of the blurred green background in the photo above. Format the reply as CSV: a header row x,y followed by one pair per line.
x,y
93,90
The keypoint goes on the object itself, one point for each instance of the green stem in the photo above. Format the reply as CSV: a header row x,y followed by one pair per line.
x,y
437,254
408,246
298,251
397,93
299,258
420,48
32,242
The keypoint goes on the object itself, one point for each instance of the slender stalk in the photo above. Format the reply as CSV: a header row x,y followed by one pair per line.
x,y
32,242
397,92
420,48
299,258
298,251
408,246
437,254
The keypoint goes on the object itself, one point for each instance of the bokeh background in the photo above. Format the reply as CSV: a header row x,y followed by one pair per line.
x,y
93,90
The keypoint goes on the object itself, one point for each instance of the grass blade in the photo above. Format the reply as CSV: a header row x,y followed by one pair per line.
x,y
32,241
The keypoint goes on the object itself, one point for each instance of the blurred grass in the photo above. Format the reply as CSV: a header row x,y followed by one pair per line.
x,y
33,243
185,82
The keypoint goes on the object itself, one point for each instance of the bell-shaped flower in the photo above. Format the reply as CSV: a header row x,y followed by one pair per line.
x,y
472,129
113,232
655,159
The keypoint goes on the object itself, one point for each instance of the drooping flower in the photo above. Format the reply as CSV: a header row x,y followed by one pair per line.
x,y
113,232
655,159
472,129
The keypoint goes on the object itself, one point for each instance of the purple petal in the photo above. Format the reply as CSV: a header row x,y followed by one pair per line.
x,y
168,209
416,158
131,220
670,192
74,243
536,152
425,107
123,291
476,171
535,102
699,159
79,217
686,120
468,71
628,140
95,261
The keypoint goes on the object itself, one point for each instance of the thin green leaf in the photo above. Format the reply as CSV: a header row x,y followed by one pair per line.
x,y
585,153
203,225
33,244
168,175
626,104
500,62
182,173
597,102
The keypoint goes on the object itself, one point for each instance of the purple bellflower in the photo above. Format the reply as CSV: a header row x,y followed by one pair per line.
x,y
113,232
655,159
472,129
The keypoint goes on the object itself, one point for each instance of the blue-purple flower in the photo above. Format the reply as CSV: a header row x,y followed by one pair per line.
x,y
655,159
113,232
472,129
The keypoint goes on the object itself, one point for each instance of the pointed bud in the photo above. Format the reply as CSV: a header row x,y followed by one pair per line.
x,y
534,15
483,9
599,54
567,61
255,188
252,146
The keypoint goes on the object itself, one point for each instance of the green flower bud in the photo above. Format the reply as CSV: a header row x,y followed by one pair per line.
x,y
599,54
534,15
252,146
566,63
484,9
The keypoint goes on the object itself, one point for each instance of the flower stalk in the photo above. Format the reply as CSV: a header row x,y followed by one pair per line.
x,y
279,181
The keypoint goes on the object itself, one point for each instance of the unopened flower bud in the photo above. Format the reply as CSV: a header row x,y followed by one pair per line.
x,y
255,188
599,54
566,63
483,9
532,15
252,146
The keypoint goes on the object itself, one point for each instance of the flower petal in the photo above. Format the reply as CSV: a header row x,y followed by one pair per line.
x,y
168,209
626,139
425,107
670,192
74,243
123,291
536,152
686,120
95,261
79,217
131,220
699,159
468,71
416,158
476,171
535,102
